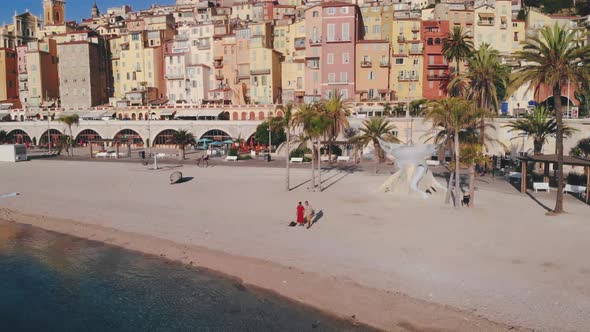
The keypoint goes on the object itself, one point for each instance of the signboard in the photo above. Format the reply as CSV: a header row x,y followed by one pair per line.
x,y
504,107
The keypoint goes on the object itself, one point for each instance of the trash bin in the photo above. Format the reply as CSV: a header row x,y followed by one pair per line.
x,y
142,154
267,157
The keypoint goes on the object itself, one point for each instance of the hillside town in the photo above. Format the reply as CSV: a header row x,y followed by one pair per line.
x,y
382,55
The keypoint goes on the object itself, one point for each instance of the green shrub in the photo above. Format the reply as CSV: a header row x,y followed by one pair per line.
x,y
233,152
245,157
336,150
299,153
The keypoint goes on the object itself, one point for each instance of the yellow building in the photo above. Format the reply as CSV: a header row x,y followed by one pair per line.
x,y
372,70
377,20
406,75
43,80
293,66
265,66
493,26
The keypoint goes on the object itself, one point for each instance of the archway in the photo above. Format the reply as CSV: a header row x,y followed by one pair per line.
x,y
129,134
165,137
244,115
252,116
86,136
54,135
140,116
133,116
19,136
279,114
548,102
261,115
216,135
235,116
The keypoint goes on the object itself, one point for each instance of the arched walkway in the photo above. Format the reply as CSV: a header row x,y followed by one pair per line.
x,y
216,135
164,137
87,135
129,134
548,102
19,136
54,135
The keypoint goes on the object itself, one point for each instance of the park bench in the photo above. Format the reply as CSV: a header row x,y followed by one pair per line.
x,y
343,158
101,154
296,160
541,186
574,189
231,158
432,163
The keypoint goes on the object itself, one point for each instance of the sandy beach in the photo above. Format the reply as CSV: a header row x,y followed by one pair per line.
x,y
393,263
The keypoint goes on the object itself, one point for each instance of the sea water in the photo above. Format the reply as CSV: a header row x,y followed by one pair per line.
x,y
55,282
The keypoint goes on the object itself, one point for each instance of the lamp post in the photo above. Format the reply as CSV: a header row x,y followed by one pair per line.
x,y
269,135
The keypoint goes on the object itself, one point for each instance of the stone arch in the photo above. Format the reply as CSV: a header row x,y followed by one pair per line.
x,y
86,135
19,136
252,116
548,102
235,116
129,134
140,116
54,135
216,135
164,137
120,116
261,115
279,114
133,116
22,118
244,116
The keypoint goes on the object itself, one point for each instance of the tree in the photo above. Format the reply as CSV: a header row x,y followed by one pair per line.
x,y
351,135
552,59
285,122
304,118
582,149
583,96
416,107
374,129
387,108
454,116
278,134
338,110
70,120
182,138
5,137
457,46
539,125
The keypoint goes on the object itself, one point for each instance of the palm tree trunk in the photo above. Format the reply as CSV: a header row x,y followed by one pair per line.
x,y
288,186
319,166
559,147
181,154
472,186
71,147
457,169
312,164
449,186
377,155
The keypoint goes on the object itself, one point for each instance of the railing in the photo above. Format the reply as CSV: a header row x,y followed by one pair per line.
x,y
437,65
203,46
407,78
366,63
384,63
174,76
486,22
503,26
416,50
401,39
181,37
437,77
415,28
337,83
299,43
315,42
218,76
265,71
218,64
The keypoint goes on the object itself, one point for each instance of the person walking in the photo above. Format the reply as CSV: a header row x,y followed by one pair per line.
x,y
308,213
300,214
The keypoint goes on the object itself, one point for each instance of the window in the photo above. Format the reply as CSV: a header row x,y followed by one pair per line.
x,y
264,80
331,11
344,94
372,76
135,36
376,29
366,29
330,58
429,41
416,62
399,61
331,77
344,10
437,41
315,14
345,58
372,93
331,32
345,31
343,77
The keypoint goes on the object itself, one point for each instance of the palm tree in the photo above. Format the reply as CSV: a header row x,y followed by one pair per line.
x,y
539,125
454,116
286,122
457,46
387,108
70,120
372,131
480,83
182,138
304,117
582,149
338,110
351,134
553,59
5,137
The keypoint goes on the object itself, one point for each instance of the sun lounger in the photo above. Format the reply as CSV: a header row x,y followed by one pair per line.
x,y
541,186
231,158
296,160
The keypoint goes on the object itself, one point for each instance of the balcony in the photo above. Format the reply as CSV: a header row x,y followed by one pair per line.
x,y
415,28
218,64
23,78
313,65
182,37
401,39
174,76
203,46
260,71
317,42
417,50
437,77
438,65
219,76
489,22
384,63
339,40
408,78
503,26
243,75
337,83
366,64
299,43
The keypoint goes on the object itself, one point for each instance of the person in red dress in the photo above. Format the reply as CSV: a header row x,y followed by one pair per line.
x,y
300,214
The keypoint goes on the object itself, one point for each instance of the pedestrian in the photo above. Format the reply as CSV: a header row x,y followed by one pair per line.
x,y
308,213
300,214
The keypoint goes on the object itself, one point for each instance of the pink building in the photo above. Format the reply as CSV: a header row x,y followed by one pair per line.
x,y
331,31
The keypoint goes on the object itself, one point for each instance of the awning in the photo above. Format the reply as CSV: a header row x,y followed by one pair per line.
x,y
167,112
198,113
487,15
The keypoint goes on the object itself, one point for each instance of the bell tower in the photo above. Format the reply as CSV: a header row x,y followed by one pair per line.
x,y
54,12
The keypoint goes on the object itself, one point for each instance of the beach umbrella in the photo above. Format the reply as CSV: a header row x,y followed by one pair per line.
x,y
228,141
217,143
204,140
252,142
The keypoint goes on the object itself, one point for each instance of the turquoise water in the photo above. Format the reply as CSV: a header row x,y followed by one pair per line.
x,y
54,282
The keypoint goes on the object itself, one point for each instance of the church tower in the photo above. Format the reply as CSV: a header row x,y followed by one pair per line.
x,y
95,12
54,12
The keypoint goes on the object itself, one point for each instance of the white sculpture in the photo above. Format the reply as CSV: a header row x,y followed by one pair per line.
x,y
413,176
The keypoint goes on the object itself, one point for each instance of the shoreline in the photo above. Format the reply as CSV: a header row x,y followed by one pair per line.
x,y
380,309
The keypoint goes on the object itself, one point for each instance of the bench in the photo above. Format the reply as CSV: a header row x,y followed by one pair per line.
x,y
296,160
574,189
343,158
432,163
541,186
101,154
231,158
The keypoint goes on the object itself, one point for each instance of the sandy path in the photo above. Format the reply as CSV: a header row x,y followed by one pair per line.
x,y
503,259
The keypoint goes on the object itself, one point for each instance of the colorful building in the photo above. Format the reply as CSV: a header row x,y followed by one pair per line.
x,y
407,60
436,68
376,21
8,74
372,71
